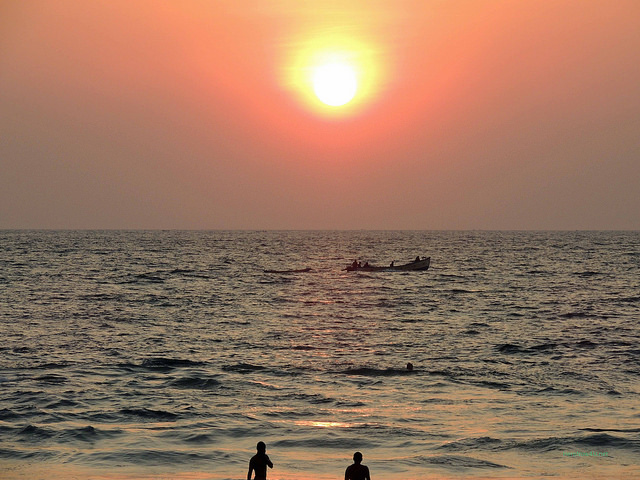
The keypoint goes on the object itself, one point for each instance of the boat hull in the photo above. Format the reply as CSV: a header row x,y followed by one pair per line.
x,y
409,267
300,270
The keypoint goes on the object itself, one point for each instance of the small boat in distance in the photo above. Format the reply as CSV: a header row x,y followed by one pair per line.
x,y
417,265
300,270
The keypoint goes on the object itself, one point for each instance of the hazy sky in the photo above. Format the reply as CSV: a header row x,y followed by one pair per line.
x,y
196,114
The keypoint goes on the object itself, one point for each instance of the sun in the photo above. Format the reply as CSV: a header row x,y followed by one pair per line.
x,y
333,75
334,83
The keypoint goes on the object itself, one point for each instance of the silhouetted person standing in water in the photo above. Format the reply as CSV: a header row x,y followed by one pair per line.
x,y
357,471
259,463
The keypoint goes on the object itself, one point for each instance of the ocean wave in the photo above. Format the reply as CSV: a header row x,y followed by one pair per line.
x,y
543,347
633,299
477,324
348,403
492,384
581,314
181,271
510,348
102,417
291,414
606,440
242,368
375,372
32,455
457,291
595,440
388,431
624,430
587,273
22,350
51,379
472,443
61,404
195,383
197,438
104,297
6,414
557,391
312,398
51,366
146,457
149,414
87,434
455,461
337,442
148,277
542,444
35,433
161,364
141,278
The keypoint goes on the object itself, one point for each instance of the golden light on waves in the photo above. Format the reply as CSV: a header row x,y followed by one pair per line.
x,y
319,424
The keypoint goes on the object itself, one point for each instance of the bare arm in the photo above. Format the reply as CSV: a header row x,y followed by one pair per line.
x,y
250,471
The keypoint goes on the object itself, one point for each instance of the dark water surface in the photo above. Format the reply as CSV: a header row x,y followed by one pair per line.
x,y
174,351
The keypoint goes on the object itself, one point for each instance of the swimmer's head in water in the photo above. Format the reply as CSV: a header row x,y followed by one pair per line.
x,y
357,457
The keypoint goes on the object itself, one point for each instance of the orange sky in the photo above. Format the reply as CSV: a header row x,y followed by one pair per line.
x,y
187,114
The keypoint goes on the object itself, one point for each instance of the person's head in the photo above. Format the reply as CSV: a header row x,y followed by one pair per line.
x,y
261,447
357,457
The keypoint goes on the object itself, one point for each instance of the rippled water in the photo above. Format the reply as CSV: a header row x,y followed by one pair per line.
x,y
169,352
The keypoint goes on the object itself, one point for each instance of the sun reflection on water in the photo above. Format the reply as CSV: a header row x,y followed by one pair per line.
x,y
318,424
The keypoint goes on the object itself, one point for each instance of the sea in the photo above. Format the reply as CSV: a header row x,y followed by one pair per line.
x,y
170,354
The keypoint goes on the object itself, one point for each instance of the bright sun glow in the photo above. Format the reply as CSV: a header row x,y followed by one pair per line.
x,y
333,75
335,83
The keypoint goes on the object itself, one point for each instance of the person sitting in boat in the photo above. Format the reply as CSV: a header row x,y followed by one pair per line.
x,y
355,264
417,259
391,264
366,264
